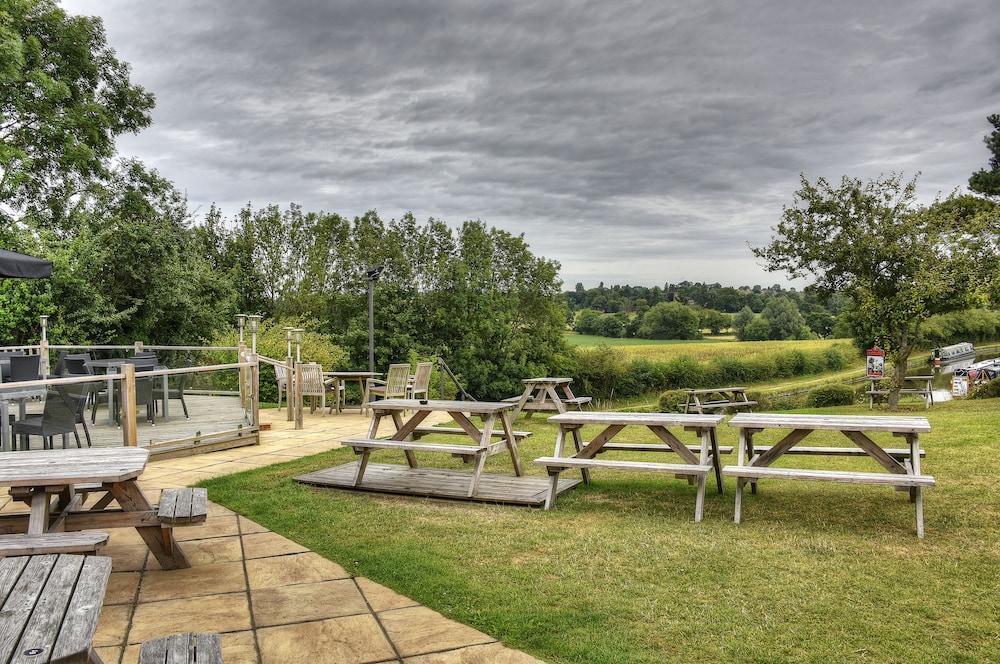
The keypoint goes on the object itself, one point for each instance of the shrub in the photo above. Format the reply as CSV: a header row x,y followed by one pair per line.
x,y
670,401
831,395
670,320
990,390
600,370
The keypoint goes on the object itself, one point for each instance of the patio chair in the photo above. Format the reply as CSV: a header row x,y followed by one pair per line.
x,y
314,385
395,385
5,363
175,392
25,367
76,365
59,417
421,380
281,375
145,393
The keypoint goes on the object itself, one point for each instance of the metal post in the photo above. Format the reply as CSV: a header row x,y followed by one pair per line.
x,y
288,340
254,320
371,324
241,320
45,326
298,343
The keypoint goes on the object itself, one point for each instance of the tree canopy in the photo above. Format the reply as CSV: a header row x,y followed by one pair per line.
x,y
987,182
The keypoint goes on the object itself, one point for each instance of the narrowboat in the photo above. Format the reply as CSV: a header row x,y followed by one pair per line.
x,y
953,353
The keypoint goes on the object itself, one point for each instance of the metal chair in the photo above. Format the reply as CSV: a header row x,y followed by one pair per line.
x,y
25,367
394,386
59,417
76,365
421,380
5,363
176,392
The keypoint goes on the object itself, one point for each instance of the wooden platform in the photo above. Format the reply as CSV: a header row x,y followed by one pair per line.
x,y
438,483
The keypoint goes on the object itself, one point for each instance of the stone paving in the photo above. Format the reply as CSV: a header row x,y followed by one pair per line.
x,y
273,600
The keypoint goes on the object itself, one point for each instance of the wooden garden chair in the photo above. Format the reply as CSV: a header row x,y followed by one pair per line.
x,y
420,386
395,385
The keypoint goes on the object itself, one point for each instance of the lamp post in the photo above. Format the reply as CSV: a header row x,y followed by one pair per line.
x,y
45,326
241,321
298,343
288,340
373,274
254,321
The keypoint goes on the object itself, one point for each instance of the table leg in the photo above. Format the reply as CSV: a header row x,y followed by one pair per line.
x,y
166,399
160,541
918,491
411,460
716,463
521,402
556,401
578,444
550,498
111,400
38,520
508,430
5,431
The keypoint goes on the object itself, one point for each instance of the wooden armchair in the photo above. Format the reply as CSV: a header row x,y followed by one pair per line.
x,y
420,385
314,385
395,385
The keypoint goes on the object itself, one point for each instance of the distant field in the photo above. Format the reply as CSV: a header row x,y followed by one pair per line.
x,y
574,339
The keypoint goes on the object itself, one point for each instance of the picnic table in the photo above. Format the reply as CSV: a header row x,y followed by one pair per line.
x,y
920,385
717,398
544,394
50,606
482,447
21,396
68,475
902,465
696,460
344,377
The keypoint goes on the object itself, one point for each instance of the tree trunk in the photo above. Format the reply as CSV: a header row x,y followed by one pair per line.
x,y
899,372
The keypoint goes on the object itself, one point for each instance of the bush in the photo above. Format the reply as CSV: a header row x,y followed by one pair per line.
x,y
670,401
831,395
990,390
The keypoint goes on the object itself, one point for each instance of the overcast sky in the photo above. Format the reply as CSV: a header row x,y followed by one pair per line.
x,y
636,142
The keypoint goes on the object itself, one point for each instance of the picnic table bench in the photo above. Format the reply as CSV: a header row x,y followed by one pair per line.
x,y
696,461
919,385
49,607
902,465
48,479
717,399
544,394
203,648
482,446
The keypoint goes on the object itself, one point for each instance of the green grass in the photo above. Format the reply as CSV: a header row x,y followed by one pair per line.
x,y
574,339
619,573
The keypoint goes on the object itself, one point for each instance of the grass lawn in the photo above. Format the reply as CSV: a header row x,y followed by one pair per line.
x,y
619,573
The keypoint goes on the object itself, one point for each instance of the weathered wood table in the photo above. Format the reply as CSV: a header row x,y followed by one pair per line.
x,y
922,386
717,398
697,461
482,446
342,378
902,464
544,394
21,396
49,607
50,479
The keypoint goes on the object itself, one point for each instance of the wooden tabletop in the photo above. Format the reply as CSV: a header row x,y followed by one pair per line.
x,y
717,389
50,607
352,374
642,419
889,423
58,467
477,407
557,381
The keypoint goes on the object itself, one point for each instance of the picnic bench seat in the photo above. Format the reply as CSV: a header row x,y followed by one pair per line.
x,y
181,507
406,445
84,541
895,452
578,401
721,405
654,447
459,431
683,469
852,477
203,648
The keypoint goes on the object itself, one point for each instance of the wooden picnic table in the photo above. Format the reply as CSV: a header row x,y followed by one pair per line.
x,y
696,461
544,394
49,607
920,385
39,476
482,446
717,398
902,465
344,377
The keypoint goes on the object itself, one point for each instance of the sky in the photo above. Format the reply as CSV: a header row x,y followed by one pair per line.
x,y
634,142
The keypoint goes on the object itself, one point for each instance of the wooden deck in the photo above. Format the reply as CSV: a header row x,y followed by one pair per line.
x,y
438,483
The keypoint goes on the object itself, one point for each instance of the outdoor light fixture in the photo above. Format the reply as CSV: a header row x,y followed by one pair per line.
x,y
373,273
241,320
45,325
288,339
254,321
298,343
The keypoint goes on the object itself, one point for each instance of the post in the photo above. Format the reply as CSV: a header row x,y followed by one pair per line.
x,y
298,343
255,394
298,395
289,387
130,434
288,340
43,347
371,324
254,326
241,320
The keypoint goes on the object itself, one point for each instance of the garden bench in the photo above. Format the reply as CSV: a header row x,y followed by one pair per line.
x,y
181,507
50,606
84,541
203,648
922,386
696,462
902,467
546,394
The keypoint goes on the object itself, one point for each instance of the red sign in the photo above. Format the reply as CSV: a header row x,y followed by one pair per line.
x,y
875,362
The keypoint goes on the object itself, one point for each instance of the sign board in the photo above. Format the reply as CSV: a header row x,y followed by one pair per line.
x,y
875,362
959,386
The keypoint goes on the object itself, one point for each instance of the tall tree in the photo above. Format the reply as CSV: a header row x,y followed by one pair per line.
x,y
987,182
64,98
899,263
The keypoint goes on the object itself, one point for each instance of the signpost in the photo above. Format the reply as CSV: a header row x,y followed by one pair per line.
x,y
875,363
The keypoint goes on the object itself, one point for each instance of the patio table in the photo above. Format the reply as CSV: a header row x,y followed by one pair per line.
x,y
460,411
115,363
8,394
50,606
544,394
343,377
45,474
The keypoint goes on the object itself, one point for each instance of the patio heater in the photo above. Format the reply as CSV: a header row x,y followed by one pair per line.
x,y
254,322
373,274
241,321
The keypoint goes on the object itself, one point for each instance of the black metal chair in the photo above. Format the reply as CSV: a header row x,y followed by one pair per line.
x,y
58,417
5,363
144,388
25,367
76,365
175,391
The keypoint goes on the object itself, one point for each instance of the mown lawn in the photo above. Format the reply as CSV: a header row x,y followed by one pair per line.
x,y
619,573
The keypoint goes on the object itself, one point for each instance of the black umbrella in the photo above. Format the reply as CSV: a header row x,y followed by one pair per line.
x,y
19,266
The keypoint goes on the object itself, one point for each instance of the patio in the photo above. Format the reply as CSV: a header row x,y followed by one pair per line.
x,y
273,600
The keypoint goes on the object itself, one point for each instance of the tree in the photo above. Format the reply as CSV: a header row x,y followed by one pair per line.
x,y
740,321
898,262
64,98
714,321
988,182
670,320
586,320
783,319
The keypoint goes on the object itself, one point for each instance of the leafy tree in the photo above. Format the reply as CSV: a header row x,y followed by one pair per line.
x,y
64,97
670,320
898,262
988,182
714,321
757,329
740,321
586,320
820,322
783,319
611,325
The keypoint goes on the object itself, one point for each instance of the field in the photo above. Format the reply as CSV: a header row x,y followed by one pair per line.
x,y
619,573
574,339
702,349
